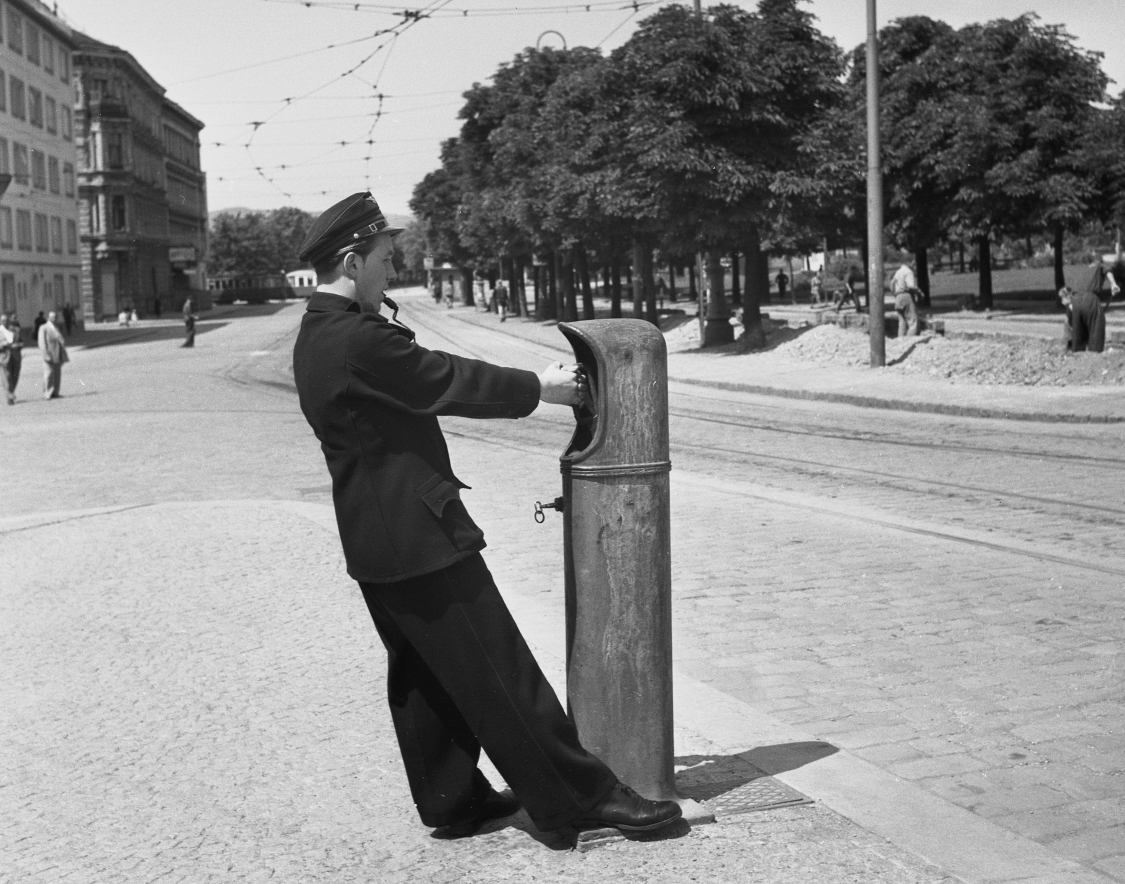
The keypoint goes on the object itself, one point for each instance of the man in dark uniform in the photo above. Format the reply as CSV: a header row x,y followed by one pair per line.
x,y
1084,328
461,676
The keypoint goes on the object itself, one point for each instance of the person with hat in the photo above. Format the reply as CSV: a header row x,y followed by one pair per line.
x,y
461,677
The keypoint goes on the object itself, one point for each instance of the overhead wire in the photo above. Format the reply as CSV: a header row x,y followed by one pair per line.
x,y
409,17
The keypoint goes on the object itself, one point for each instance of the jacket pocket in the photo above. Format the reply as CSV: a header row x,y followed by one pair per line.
x,y
436,492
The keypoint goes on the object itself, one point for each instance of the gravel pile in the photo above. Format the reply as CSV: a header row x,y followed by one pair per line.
x,y
1027,361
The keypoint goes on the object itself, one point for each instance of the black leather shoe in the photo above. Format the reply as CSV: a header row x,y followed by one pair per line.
x,y
495,806
624,809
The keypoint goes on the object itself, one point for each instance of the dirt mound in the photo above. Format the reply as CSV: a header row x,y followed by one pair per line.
x,y
1026,361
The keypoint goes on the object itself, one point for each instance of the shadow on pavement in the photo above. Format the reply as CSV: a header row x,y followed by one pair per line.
x,y
787,756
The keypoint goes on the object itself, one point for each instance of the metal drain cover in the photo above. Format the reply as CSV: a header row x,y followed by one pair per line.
x,y
729,784
762,794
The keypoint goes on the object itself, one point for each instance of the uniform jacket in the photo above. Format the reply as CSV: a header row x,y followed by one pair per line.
x,y
372,396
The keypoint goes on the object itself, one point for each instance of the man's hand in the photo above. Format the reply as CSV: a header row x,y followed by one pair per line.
x,y
561,384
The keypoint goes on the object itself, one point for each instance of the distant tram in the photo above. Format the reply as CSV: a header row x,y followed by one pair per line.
x,y
226,288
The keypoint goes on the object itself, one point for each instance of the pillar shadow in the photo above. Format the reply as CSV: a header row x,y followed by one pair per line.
x,y
113,337
706,777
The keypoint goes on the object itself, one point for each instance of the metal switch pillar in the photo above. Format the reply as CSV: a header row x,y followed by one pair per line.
x,y
617,542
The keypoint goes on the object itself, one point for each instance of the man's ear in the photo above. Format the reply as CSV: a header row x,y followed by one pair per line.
x,y
351,265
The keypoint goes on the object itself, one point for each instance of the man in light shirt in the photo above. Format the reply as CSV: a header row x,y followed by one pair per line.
x,y
903,286
53,348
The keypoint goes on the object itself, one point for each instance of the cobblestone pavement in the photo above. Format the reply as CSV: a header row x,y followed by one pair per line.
x,y
190,690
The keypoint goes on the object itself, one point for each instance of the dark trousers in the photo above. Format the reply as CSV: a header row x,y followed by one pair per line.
x,y
1086,320
12,371
461,677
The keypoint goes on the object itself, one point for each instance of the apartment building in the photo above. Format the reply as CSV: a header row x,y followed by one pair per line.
x,y
144,220
39,254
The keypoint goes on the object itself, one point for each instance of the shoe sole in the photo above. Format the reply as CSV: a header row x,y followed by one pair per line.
x,y
651,827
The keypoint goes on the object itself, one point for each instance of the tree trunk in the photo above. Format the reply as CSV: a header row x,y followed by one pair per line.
x,y
961,246
517,294
615,288
551,301
922,262
672,281
584,274
735,284
648,286
605,282
537,289
638,280
757,282
467,298
984,258
1060,277
693,290
566,279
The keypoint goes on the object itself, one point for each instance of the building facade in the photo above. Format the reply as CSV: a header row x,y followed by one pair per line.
x,y
138,153
39,212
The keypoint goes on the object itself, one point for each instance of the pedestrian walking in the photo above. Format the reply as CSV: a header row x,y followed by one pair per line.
x,y
52,346
11,356
68,318
783,281
189,324
502,300
848,291
904,287
461,677
819,284
39,320
1084,327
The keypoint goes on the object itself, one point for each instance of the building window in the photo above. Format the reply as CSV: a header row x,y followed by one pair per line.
x,y
64,65
3,92
38,169
53,174
51,115
19,104
114,151
5,227
31,43
67,124
21,167
34,107
15,31
4,167
96,215
48,54
72,236
8,292
60,290
74,298
42,233
23,230
117,212
56,235
68,179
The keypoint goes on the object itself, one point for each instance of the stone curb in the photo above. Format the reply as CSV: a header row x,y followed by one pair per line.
x,y
905,404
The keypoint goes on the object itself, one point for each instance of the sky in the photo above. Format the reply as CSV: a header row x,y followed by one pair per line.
x,y
289,89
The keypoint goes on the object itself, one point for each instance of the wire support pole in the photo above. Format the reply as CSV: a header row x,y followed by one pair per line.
x,y
875,232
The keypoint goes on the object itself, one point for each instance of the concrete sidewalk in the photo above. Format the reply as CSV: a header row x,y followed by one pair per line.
x,y
768,373
232,727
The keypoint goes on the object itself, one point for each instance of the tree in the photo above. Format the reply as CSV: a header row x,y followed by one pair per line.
x,y
257,243
1020,99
